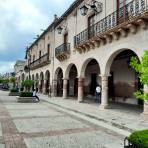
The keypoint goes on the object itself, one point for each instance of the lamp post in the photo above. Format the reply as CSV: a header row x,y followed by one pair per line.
x,y
93,5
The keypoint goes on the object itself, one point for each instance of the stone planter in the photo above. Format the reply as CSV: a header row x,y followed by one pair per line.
x,y
14,94
26,99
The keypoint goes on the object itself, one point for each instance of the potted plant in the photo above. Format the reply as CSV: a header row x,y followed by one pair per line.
x,y
27,95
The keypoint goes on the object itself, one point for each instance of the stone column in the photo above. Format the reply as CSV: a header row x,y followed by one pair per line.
x,y
145,111
39,85
80,89
65,81
104,94
44,87
54,88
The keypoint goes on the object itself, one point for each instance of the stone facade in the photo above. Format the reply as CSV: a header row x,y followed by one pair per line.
x,y
99,45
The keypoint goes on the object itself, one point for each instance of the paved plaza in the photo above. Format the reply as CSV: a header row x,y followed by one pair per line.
x,y
46,125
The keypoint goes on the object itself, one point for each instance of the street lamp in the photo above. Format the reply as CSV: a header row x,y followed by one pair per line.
x,y
93,5
59,29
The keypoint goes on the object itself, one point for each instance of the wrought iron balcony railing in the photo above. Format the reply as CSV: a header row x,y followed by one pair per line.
x,y
44,60
63,51
129,12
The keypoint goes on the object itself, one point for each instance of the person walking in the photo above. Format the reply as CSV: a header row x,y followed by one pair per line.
x,y
35,95
98,94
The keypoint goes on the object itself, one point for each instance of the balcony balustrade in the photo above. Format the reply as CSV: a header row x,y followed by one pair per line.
x,y
124,20
63,51
42,61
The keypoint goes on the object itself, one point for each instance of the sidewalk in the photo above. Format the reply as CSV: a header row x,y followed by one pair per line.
x,y
118,117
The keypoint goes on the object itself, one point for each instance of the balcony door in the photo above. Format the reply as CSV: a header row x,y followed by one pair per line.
x,y
91,22
65,41
122,12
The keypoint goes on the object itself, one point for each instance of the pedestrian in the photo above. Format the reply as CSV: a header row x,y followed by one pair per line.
x,y
35,94
98,94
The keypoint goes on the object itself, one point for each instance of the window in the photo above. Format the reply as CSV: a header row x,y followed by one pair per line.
x,y
40,54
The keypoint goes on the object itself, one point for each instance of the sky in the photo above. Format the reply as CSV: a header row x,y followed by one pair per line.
x,y
20,22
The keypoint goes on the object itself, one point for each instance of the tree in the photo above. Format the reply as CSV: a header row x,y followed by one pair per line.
x,y
28,84
142,70
13,80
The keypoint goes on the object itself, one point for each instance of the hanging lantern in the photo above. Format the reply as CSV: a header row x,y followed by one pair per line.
x,y
84,10
59,29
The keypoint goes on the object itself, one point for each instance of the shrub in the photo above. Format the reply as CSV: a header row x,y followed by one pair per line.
x,y
26,94
139,139
27,84
14,90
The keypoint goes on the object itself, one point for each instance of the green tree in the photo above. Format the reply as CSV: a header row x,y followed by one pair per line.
x,y
28,84
13,80
142,70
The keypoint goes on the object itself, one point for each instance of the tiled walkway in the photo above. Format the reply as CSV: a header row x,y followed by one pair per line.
x,y
128,118
43,125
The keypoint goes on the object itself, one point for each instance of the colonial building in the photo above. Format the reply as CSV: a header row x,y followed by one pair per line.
x,y
91,44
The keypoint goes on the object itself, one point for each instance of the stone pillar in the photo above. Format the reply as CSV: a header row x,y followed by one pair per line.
x,y
104,96
39,85
54,88
65,81
80,89
44,87
145,111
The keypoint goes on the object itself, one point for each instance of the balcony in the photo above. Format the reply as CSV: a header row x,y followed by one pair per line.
x,y
121,22
42,61
62,52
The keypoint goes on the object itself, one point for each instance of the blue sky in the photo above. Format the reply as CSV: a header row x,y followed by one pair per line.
x,y
21,21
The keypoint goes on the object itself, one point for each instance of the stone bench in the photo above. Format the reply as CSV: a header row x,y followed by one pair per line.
x,y
26,99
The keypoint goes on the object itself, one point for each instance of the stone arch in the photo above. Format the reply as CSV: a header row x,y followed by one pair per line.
x,y
47,82
41,76
90,71
71,75
33,77
58,82
121,77
112,57
41,82
83,68
37,81
56,72
68,70
47,75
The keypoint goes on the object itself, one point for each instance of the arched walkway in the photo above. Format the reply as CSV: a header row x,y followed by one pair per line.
x,y
58,83
72,86
41,82
47,83
90,72
37,81
120,79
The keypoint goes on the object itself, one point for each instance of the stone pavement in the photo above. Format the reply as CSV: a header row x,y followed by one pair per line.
x,y
123,119
44,125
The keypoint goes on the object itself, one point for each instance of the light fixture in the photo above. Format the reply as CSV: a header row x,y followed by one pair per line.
x,y
84,10
62,27
59,29
93,5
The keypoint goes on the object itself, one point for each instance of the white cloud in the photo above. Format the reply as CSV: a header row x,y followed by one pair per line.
x,y
6,67
19,16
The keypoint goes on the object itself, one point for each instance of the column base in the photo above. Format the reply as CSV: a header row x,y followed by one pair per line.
x,y
102,107
80,100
